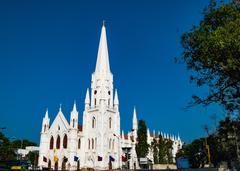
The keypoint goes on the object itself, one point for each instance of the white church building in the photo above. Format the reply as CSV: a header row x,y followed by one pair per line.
x,y
99,142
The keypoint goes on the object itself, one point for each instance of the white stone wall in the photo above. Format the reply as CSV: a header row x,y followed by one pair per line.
x,y
105,140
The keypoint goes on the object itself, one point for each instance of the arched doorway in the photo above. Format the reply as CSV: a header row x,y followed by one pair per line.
x,y
56,165
110,165
63,165
78,165
49,164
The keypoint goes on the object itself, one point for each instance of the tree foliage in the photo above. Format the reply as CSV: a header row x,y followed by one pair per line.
x,y
142,145
195,152
212,52
228,136
224,146
8,148
162,150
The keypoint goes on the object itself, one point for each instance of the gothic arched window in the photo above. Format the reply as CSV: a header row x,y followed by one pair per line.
x,y
65,141
113,144
73,123
49,164
110,122
92,143
89,143
93,122
58,142
95,102
45,127
79,143
51,143
64,164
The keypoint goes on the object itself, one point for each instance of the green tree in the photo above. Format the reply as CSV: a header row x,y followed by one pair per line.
x,y
228,138
195,152
22,143
154,147
212,52
223,146
142,145
162,150
169,144
32,157
6,150
165,150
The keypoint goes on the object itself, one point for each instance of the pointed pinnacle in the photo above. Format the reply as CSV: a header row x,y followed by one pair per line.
x,y
87,98
74,106
116,102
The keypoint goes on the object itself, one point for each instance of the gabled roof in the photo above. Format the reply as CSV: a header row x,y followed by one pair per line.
x,y
60,120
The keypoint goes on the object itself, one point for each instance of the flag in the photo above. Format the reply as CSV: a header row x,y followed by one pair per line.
x,y
124,158
44,159
55,158
76,158
99,158
111,158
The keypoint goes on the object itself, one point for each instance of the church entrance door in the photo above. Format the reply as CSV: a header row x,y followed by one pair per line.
x,y
63,165
56,166
78,165
110,165
49,164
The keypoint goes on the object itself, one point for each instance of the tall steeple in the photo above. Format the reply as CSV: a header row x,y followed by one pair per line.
x,y
102,78
74,106
102,65
87,99
46,114
74,116
134,121
116,102
45,122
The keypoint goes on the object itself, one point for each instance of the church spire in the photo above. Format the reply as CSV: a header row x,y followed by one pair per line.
x,y
87,100
116,102
134,121
45,122
46,114
102,65
74,106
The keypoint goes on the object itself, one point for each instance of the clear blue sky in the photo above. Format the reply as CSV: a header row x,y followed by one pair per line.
x,y
48,51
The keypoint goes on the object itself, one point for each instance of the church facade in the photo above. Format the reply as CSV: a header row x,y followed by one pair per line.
x,y
98,143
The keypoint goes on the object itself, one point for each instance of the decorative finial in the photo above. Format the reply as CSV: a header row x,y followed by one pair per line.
x,y
74,106
116,102
60,107
46,114
104,23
